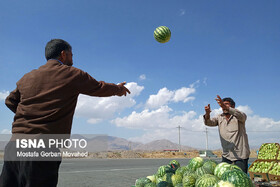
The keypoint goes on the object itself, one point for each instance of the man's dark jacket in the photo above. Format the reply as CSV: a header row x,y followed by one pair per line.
x,y
45,99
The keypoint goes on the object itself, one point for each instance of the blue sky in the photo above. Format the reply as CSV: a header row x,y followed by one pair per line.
x,y
230,48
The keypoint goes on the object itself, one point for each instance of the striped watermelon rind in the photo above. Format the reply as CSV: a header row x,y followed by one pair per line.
x,y
176,179
210,165
142,182
190,173
206,180
181,170
162,170
162,34
237,178
195,163
202,171
222,167
188,181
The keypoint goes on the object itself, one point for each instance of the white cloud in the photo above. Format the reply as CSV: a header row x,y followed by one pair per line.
x,y
162,124
97,109
165,96
182,95
6,131
94,120
246,109
159,121
161,98
142,77
3,95
258,123
146,119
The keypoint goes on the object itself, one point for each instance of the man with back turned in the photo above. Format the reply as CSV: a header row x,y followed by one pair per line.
x,y
44,102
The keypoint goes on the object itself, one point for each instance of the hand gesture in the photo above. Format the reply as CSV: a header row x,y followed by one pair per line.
x,y
207,109
221,103
124,90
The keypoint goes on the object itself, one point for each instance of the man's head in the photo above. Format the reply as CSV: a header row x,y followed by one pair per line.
x,y
229,102
60,50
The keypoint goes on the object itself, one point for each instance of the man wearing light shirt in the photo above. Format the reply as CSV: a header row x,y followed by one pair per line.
x,y
232,132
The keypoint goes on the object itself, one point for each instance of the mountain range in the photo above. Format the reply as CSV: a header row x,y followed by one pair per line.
x,y
99,143
112,143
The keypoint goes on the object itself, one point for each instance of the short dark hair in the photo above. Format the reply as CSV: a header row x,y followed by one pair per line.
x,y
232,103
54,48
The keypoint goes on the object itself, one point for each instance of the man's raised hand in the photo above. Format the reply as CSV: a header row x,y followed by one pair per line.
x,y
221,103
124,90
207,112
207,109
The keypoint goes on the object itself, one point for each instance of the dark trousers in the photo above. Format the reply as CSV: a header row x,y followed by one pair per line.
x,y
243,163
29,174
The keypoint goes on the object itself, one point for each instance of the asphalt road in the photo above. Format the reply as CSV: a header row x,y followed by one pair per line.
x,y
108,172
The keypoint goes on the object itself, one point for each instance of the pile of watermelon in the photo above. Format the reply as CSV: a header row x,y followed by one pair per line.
x,y
198,173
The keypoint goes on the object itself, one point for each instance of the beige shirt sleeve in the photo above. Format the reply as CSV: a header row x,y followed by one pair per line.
x,y
211,121
241,116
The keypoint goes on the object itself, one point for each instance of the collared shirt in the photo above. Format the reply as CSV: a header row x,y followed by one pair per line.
x,y
44,100
233,135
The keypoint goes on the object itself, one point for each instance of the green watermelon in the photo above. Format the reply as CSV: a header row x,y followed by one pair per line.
x,y
174,162
188,181
179,185
192,173
150,185
181,170
168,178
222,167
173,167
237,177
202,171
152,178
162,34
163,184
162,170
158,179
176,179
141,182
206,181
195,163
210,165
224,184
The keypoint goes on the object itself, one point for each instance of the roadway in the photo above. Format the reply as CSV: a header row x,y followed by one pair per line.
x,y
108,172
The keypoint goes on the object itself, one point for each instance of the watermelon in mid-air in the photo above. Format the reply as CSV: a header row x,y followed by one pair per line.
x,y
162,34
